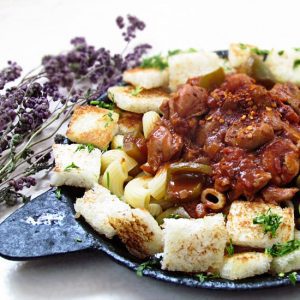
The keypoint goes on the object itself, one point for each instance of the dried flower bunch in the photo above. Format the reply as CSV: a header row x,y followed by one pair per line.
x,y
32,111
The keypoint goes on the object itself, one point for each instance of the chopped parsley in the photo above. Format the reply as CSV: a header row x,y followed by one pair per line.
x,y
280,52
78,240
230,248
70,167
296,63
89,147
103,104
174,216
156,61
280,249
260,51
109,115
270,222
243,46
136,91
107,180
293,278
147,265
174,52
58,193
297,49
203,277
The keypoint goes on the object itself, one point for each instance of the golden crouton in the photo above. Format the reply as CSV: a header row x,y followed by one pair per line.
x,y
243,265
147,78
243,232
93,125
139,231
286,263
97,205
130,122
75,166
194,245
126,98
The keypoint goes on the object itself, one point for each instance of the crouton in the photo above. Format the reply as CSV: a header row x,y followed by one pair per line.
x,y
75,166
286,263
139,231
243,232
130,122
97,205
145,100
239,54
187,65
147,78
194,245
243,265
93,125
284,65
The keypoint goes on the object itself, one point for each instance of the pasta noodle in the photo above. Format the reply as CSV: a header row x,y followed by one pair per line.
x,y
117,142
112,155
158,184
155,209
209,194
136,192
114,177
150,119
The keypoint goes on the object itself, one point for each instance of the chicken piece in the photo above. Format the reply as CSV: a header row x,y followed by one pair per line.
x,y
249,137
275,195
163,145
241,172
281,159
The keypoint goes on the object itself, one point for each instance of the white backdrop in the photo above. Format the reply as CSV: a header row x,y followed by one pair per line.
x,y
30,29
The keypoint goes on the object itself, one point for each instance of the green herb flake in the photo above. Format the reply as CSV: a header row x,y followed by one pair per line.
x,y
102,104
297,49
147,265
203,277
136,91
174,216
58,193
293,278
281,275
296,63
230,248
156,61
107,180
174,52
280,53
90,148
70,167
78,240
243,46
280,249
260,51
270,222
80,147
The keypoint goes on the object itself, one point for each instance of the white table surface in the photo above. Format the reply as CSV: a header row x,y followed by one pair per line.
x,y
29,29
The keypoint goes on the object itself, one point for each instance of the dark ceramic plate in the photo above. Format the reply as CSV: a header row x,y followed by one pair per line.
x,y
46,226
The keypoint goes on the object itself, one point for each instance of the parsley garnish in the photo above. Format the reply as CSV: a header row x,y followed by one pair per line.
x,y
243,46
156,61
110,116
270,222
296,63
293,278
260,51
230,248
174,216
103,104
80,147
297,49
70,167
107,180
136,91
147,265
202,277
58,193
174,52
279,249
280,52
89,147
78,240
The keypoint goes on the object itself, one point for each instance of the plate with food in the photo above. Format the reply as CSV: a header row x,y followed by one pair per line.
x,y
186,171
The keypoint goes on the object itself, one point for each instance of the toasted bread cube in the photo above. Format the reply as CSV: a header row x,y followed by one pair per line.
x,y
147,78
194,245
282,65
139,231
239,54
145,100
243,232
187,65
130,122
93,125
243,265
97,205
75,167
286,263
